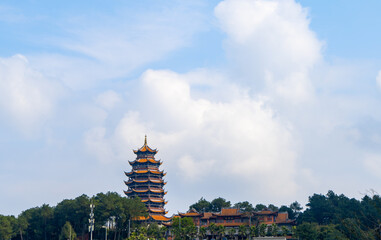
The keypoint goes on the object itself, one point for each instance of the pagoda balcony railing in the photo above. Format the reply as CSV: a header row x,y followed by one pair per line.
x,y
145,166
144,187
150,195
145,178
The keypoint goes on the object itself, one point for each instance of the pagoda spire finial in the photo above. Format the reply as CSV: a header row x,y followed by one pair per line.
x,y
145,140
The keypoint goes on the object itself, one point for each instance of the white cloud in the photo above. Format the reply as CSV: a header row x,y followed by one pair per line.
x,y
271,46
113,45
27,98
96,145
372,163
241,139
108,99
378,79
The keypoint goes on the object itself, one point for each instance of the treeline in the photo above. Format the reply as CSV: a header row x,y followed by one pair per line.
x,y
216,204
69,219
326,217
333,216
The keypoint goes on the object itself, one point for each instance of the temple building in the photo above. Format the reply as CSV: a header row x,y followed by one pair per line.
x,y
233,218
145,181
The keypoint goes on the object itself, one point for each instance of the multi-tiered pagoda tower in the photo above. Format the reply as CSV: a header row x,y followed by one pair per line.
x,y
146,181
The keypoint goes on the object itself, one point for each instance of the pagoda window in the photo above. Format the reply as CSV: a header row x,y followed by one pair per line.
x,y
220,220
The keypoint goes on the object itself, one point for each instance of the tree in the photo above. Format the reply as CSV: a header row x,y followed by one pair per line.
x,y
67,232
269,230
285,231
153,231
296,207
242,231
253,231
76,211
6,228
46,213
40,224
221,231
219,203
123,209
231,233
275,230
259,207
201,206
330,232
183,228
190,231
244,206
262,230
21,225
307,231
351,228
212,229
273,208
202,232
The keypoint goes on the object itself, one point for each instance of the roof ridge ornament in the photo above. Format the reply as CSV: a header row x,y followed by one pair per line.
x,y
145,140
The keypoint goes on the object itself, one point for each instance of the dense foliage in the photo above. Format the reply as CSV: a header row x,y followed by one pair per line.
x,y
70,218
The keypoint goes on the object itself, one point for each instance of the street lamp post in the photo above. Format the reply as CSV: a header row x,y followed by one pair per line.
x,y
129,227
106,226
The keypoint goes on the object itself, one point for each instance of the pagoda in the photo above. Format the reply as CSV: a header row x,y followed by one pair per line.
x,y
145,181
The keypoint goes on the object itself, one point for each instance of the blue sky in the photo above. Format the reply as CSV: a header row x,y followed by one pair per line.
x,y
264,101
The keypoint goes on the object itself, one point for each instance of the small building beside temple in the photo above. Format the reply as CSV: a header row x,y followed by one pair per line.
x,y
145,180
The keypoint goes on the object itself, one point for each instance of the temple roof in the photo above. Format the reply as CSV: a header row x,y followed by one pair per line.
x,y
207,215
160,218
145,148
228,212
191,213
155,200
266,212
145,171
144,160
157,210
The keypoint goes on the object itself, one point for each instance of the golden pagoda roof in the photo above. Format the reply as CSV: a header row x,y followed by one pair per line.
x,y
154,190
155,200
145,171
144,160
160,218
157,210
145,148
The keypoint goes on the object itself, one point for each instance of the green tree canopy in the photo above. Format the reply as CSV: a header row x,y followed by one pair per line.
x,y
67,232
6,227
201,205
244,206
219,203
